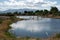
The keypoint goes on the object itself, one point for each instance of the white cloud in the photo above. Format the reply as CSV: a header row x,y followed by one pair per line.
x,y
35,1
49,3
32,25
33,4
11,0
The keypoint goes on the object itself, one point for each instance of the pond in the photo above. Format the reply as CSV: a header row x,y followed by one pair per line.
x,y
35,27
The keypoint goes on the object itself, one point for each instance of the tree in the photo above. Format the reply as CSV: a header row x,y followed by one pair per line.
x,y
25,12
45,12
37,12
41,12
15,13
30,12
19,13
54,10
58,13
9,14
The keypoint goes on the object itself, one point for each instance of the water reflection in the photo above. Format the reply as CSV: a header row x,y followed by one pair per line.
x,y
36,28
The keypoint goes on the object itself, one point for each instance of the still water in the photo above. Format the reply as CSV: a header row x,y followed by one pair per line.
x,y
35,27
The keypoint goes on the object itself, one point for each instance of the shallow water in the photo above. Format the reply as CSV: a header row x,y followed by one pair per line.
x,y
41,27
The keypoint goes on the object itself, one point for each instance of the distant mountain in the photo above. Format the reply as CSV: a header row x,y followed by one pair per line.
x,y
18,10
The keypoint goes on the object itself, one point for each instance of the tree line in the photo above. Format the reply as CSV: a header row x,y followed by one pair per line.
x,y
54,11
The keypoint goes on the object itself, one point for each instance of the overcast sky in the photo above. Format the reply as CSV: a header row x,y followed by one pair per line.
x,y
32,4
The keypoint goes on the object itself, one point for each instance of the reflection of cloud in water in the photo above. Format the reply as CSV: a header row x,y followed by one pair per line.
x,y
32,25
44,27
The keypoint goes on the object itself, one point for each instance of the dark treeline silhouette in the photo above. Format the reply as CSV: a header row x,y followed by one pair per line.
x,y
53,12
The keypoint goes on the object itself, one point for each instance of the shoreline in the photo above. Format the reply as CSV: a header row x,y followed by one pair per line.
x,y
56,17
5,27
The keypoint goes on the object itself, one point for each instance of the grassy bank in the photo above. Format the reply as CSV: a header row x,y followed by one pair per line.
x,y
4,27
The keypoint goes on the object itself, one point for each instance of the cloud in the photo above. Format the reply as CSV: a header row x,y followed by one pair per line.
x,y
32,4
11,0
32,25
49,3
34,1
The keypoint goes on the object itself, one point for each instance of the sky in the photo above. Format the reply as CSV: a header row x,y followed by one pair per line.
x,y
31,4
